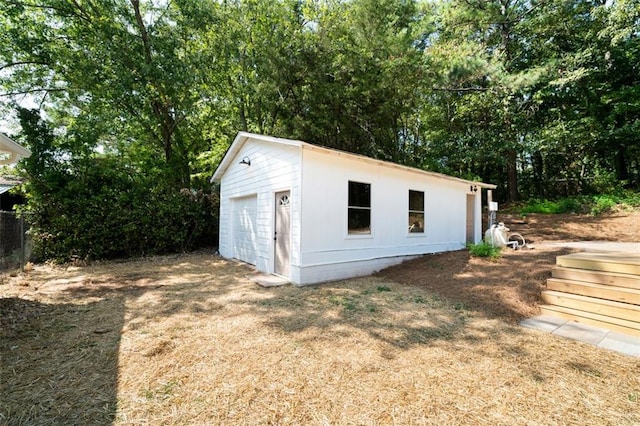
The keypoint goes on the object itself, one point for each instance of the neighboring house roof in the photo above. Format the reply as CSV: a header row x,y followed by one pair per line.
x,y
10,151
5,188
242,138
6,183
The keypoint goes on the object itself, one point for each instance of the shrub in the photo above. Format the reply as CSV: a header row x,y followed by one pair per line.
x,y
99,209
603,182
565,205
124,201
484,249
630,199
595,204
603,204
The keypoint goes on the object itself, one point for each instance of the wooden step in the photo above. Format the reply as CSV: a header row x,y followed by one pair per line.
x,y
624,263
608,292
590,318
597,277
607,308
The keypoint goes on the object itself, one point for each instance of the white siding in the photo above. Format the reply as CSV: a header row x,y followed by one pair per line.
x,y
328,252
274,167
478,218
321,248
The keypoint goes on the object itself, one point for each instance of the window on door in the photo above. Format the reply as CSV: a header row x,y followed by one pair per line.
x,y
416,212
359,208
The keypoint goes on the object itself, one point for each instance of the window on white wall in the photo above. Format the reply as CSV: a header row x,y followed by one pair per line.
x,y
359,209
416,212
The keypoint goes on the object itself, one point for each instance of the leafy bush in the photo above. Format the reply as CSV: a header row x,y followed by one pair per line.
x,y
595,204
603,204
631,199
484,249
96,208
565,205
83,204
603,182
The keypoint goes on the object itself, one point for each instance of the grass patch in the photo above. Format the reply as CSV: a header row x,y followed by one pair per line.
x,y
610,202
485,249
565,205
348,303
584,204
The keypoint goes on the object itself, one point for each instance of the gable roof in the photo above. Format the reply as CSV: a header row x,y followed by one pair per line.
x,y
6,183
15,151
243,137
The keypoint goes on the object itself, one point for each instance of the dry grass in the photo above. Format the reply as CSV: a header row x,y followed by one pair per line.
x,y
189,340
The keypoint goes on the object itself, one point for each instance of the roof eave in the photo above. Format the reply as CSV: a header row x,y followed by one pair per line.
x,y
242,137
396,166
13,147
233,149
237,144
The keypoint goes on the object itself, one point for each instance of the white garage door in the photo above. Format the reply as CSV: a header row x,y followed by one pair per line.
x,y
244,231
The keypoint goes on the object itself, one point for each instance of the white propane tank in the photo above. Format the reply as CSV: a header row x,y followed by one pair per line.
x,y
497,235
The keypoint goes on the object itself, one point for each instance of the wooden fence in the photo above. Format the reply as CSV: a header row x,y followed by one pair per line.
x,y
13,241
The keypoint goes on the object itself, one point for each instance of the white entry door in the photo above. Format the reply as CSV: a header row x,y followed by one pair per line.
x,y
282,238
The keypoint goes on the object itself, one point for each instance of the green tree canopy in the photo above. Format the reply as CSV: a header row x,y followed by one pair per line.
x,y
540,97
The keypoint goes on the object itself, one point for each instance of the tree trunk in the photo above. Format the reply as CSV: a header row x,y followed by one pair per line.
x,y
620,161
512,175
243,117
538,173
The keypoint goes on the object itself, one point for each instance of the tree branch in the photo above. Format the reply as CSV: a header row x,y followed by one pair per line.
x,y
15,64
61,11
461,89
27,92
144,34
82,11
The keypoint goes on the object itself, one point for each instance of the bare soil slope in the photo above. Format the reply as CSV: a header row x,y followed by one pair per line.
x,y
510,287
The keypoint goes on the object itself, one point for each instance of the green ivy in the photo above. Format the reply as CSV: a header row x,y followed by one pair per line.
x,y
97,209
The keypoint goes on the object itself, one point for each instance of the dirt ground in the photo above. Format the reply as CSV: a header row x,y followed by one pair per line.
x,y
188,339
510,288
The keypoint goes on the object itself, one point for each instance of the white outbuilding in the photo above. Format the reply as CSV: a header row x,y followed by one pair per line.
x,y
312,214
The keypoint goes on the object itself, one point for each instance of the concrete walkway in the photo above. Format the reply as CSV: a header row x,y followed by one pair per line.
x,y
268,280
600,337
